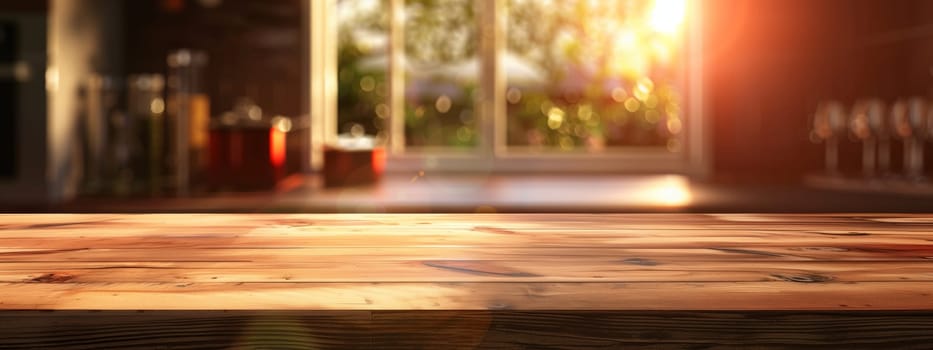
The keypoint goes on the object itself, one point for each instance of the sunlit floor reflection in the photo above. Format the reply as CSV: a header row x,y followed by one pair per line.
x,y
617,191
509,193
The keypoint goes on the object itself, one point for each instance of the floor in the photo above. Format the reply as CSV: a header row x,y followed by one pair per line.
x,y
520,193
426,281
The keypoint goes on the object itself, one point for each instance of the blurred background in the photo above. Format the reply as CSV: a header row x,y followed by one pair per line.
x,y
466,105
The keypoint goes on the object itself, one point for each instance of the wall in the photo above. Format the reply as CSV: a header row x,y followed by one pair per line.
x,y
256,49
23,123
771,61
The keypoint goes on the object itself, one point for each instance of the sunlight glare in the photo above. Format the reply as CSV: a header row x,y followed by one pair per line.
x,y
672,191
668,15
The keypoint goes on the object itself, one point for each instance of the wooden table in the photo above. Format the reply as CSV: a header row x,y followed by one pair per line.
x,y
404,281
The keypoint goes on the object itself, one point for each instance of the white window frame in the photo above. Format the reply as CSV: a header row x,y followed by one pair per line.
x,y
491,155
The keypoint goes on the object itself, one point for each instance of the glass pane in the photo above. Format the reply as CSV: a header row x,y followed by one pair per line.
x,y
441,73
362,63
587,75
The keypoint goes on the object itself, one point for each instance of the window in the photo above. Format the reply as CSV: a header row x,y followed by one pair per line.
x,y
521,85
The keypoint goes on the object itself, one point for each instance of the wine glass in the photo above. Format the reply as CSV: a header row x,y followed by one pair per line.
x,y
917,111
866,123
828,124
910,125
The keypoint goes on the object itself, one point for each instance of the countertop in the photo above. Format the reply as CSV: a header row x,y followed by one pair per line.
x,y
428,193
502,281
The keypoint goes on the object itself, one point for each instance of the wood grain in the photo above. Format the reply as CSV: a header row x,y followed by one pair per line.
x,y
794,293
426,281
531,269
405,330
73,261
184,330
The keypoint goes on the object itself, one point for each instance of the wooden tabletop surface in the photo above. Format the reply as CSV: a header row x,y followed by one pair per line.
x,y
466,262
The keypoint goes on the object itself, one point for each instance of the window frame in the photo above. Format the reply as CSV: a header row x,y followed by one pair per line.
x,y
492,153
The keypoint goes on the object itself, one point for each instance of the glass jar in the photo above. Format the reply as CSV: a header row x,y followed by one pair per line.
x,y
146,108
188,108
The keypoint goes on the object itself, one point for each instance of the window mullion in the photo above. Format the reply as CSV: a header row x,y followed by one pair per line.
x,y
492,77
396,77
322,78
698,133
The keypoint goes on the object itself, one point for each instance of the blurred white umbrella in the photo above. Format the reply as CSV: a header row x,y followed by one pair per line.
x,y
518,70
